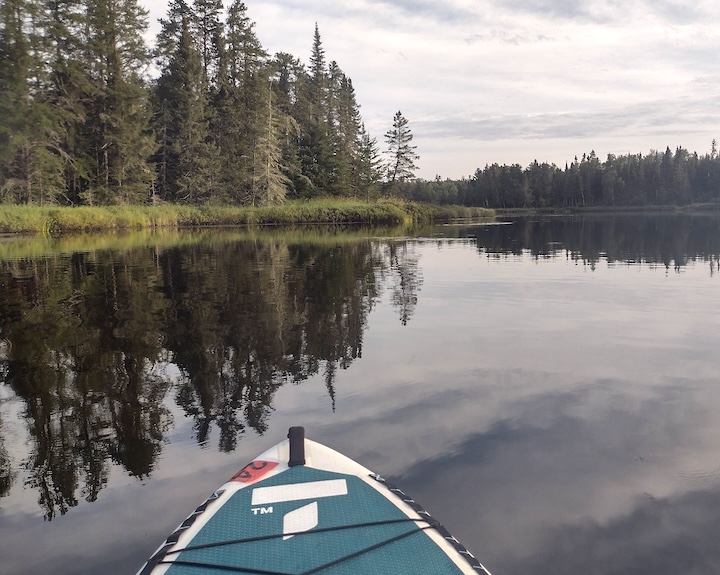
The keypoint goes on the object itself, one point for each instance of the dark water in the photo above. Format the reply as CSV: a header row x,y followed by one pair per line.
x,y
549,389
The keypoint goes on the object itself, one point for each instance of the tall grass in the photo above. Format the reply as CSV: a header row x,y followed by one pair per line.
x,y
59,220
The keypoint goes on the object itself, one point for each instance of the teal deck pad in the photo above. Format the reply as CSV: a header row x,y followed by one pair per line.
x,y
325,544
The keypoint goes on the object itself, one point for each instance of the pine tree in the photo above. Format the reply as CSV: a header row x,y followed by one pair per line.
x,y
246,56
288,73
15,178
401,154
179,15
68,91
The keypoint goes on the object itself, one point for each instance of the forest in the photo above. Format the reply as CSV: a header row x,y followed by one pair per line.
x,y
92,114
666,178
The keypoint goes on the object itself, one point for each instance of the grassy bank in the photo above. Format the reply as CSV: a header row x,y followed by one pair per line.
x,y
58,220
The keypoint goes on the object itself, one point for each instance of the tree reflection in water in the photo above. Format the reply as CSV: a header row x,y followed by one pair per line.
x,y
6,471
87,340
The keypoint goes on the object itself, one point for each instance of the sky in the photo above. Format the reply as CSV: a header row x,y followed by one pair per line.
x,y
513,81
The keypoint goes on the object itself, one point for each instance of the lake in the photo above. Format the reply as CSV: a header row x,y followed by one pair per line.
x,y
548,387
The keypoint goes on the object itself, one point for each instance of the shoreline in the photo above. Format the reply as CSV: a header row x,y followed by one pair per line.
x,y
57,220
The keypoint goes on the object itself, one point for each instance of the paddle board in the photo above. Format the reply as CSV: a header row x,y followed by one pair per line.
x,y
301,508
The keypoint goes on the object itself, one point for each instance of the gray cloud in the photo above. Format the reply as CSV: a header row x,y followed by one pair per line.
x,y
553,9
647,118
444,13
437,11
607,11
505,37
677,11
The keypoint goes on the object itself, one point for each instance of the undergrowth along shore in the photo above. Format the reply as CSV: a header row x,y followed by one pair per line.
x,y
54,220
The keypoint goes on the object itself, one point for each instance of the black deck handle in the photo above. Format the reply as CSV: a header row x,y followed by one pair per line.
x,y
296,435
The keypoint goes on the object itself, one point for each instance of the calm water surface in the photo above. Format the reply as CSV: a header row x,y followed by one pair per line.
x,y
548,388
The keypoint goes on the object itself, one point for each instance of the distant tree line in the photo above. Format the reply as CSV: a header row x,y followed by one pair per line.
x,y
82,122
658,178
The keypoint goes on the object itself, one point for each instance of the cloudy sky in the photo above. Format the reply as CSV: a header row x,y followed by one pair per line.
x,y
510,81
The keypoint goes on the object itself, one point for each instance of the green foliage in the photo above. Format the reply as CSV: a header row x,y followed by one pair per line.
x,y
31,169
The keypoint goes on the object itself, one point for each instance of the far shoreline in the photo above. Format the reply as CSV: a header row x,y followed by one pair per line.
x,y
690,209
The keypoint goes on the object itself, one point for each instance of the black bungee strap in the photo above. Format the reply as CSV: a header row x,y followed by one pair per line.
x,y
431,523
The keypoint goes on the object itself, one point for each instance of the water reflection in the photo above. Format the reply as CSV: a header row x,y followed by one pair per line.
x,y
670,240
6,471
407,279
93,344
102,346
590,479
79,335
246,318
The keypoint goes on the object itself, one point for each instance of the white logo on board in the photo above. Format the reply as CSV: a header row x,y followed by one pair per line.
x,y
304,518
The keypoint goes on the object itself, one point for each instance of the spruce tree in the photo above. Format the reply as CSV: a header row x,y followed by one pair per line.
x,y
318,78
315,147
117,116
401,155
207,19
350,130
188,161
342,140
241,102
31,161
368,165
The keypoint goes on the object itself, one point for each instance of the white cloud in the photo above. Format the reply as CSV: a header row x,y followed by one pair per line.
x,y
514,80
